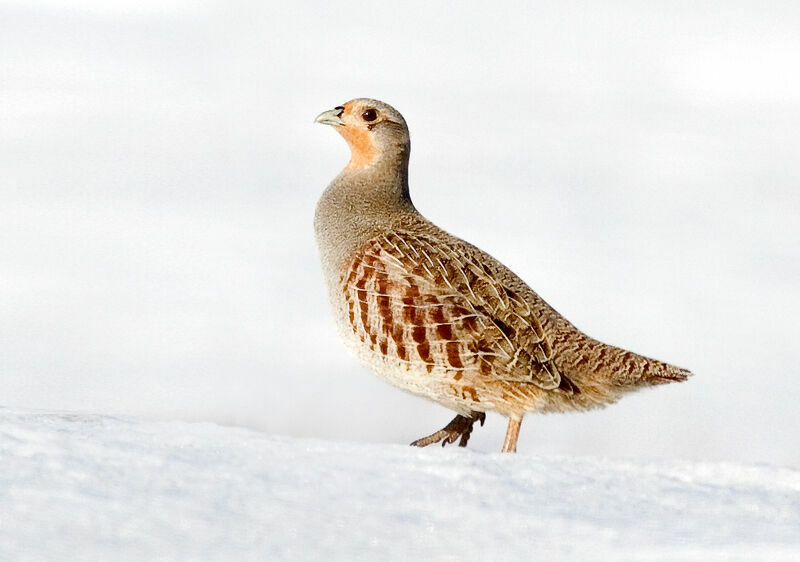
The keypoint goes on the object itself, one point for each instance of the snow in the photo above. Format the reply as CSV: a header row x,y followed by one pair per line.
x,y
93,487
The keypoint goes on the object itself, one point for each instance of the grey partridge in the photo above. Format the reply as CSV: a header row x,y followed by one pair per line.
x,y
438,317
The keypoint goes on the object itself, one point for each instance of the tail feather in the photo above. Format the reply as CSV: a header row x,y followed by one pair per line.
x,y
622,368
668,373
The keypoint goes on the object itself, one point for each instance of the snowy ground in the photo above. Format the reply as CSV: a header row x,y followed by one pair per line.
x,y
90,487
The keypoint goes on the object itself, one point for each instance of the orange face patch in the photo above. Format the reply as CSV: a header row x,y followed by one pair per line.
x,y
359,138
362,150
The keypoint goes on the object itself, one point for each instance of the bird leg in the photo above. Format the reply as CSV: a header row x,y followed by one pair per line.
x,y
461,426
512,433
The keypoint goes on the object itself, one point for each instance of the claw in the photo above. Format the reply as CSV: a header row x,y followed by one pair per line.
x,y
459,429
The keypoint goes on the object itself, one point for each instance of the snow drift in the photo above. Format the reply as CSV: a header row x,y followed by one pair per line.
x,y
78,487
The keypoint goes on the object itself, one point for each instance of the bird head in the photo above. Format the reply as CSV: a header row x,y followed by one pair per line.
x,y
375,131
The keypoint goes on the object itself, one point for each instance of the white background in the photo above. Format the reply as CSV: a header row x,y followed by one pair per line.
x,y
637,163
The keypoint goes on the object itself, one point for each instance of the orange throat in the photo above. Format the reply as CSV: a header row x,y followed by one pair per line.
x,y
362,148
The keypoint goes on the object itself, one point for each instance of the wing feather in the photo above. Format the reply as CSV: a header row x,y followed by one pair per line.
x,y
432,302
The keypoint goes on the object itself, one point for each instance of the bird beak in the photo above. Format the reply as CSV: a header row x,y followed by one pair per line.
x,y
331,117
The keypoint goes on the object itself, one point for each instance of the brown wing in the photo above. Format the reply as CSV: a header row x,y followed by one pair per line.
x,y
423,301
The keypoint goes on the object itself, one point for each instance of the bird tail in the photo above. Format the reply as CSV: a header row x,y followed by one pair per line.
x,y
665,373
624,368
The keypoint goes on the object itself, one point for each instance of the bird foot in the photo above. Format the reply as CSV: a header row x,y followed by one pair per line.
x,y
461,426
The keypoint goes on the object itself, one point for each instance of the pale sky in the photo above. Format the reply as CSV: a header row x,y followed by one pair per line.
x,y
637,164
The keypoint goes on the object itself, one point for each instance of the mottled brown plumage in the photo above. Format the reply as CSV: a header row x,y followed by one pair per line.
x,y
435,315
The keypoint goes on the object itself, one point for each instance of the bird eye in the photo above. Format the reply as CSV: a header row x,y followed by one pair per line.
x,y
369,115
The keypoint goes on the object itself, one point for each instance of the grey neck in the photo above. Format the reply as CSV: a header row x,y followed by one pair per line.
x,y
360,203
376,190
